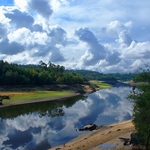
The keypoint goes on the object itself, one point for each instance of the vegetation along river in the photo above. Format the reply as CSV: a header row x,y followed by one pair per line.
x,y
47,124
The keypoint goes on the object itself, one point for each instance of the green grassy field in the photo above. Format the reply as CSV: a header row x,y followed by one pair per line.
x,y
101,84
33,95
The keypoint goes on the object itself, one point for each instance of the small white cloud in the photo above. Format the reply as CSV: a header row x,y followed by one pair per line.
x,y
22,5
25,37
115,27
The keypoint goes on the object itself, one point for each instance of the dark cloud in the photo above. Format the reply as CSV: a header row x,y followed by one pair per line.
x,y
51,51
96,51
58,36
37,28
10,48
125,38
3,31
18,138
42,7
56,56
41,50
43,145
20,19
85,35
113,58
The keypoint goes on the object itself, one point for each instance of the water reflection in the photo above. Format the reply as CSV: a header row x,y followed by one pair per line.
x,y
42,127
51,108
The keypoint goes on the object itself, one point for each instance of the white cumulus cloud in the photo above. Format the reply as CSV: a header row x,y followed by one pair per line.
x,y
77,34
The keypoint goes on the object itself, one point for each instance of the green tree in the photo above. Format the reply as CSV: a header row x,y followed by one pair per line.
x,y
141,110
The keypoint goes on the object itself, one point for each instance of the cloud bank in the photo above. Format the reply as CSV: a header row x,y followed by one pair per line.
x,y
76,34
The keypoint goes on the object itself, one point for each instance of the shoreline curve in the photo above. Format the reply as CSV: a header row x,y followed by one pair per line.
x,y
41,100
106,135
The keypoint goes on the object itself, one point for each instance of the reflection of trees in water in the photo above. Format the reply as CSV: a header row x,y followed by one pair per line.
x,y
57,112
53,113
51,108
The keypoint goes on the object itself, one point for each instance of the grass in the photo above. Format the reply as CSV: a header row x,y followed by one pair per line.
x,y
32,95
100,84
127,82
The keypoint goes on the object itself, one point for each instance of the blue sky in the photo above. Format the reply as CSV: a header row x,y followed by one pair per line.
x,y
6,2
102,35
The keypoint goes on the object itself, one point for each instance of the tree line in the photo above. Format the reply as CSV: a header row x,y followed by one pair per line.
x,y
141,110
49,73
41,74
94,75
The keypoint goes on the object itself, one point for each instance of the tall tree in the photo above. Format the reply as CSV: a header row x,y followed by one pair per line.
x,y
141,110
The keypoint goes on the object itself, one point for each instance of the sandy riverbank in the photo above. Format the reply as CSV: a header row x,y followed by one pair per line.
x,y
108,134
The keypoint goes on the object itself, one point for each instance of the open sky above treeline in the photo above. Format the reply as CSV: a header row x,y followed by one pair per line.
x,y
102,35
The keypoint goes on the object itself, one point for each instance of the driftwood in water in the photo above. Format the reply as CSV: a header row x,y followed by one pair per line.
x,y
89,127
2,97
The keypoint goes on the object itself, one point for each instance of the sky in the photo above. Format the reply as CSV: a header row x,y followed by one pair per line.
x,y
107,36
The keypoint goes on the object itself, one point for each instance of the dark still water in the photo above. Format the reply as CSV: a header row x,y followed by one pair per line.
x,y
44,125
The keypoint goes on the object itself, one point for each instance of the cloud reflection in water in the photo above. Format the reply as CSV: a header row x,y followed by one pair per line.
x,y
29,131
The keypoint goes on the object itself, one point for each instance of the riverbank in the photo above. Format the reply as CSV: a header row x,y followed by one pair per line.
x,y
92,140
108,135
78,88
75,90
40,100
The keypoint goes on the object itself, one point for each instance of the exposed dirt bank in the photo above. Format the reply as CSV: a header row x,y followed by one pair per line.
x,y
78,88
40,100
109,135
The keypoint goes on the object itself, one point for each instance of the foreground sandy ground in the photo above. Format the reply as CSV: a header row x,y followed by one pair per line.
x,y
106,135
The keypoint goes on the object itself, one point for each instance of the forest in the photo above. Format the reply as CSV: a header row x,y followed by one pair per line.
x,y
41,74
49,73
141,99
94,75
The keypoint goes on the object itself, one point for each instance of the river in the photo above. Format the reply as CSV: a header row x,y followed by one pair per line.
x,y
48,124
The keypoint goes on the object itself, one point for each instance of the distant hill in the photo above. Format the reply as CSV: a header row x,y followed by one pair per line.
x,y
93,75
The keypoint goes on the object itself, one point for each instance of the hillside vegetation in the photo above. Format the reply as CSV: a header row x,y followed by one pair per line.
x,y
94,75
42,74
48,74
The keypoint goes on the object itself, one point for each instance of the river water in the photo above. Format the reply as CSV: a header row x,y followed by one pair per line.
x,y
44,125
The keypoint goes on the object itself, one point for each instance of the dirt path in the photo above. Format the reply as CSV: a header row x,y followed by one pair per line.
x,y
109,134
